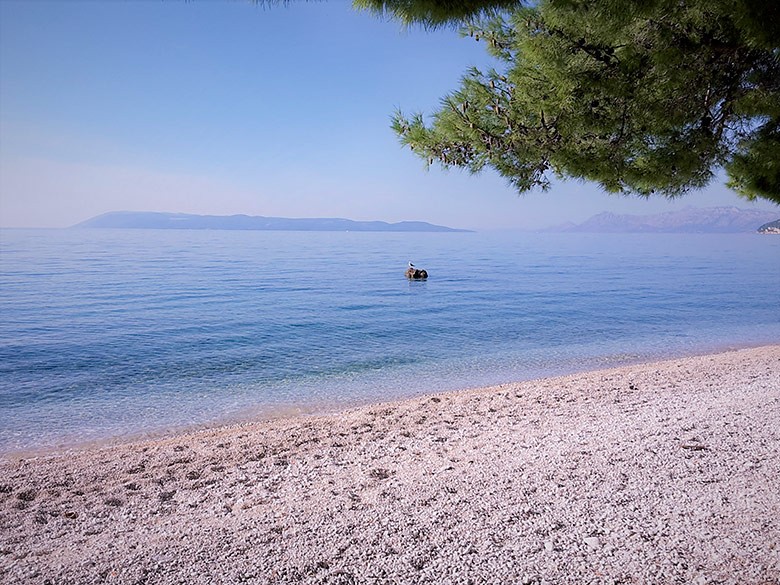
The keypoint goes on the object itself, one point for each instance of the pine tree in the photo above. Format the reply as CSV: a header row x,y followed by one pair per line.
x,y
640,96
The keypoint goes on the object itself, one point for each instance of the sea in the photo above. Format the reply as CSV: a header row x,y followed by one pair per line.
x,y
108,335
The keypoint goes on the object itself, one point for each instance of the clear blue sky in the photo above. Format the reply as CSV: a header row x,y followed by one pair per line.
x,y
223,108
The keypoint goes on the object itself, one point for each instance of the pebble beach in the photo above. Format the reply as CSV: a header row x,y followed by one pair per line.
x,y
656,473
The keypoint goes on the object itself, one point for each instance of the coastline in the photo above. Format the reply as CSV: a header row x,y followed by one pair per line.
x,y
292,411
655,472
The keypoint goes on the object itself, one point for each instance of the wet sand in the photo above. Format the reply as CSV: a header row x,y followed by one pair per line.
x,y
655,473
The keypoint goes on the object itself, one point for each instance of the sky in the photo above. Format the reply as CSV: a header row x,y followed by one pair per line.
x,y
229,107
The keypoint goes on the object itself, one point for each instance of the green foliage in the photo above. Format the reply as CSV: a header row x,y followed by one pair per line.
x,y
432,13
754,170
643,97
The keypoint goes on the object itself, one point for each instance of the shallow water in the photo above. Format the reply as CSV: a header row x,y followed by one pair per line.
x,y
107,333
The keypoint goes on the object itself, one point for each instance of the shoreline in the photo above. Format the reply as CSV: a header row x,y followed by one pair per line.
x,y
295,411
656,472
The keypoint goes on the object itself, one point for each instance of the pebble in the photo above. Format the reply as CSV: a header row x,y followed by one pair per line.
x,y
593,542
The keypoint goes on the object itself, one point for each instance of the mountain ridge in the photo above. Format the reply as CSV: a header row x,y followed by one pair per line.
x,y
160,220
689,220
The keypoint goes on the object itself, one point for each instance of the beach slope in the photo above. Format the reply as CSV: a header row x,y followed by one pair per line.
x,y
656,473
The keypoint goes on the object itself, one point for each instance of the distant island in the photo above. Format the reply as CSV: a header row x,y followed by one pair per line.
x,y
711,220
773,227
185,221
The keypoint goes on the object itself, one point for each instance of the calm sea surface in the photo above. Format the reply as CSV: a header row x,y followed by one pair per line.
x,y
110,333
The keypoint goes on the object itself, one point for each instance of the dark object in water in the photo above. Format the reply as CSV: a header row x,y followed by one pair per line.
x,y
416,274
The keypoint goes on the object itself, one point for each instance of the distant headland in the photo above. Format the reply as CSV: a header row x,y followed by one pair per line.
x,y
185,221
712,220
773,227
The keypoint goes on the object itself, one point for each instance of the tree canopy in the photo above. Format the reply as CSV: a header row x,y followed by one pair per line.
x,y
640,96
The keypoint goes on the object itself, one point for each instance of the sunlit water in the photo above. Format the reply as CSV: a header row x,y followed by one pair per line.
x,y
110,333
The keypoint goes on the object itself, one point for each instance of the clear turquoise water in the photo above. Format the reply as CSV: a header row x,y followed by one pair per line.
x,y
110,333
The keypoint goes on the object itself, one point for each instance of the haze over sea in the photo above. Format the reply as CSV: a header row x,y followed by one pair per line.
x,y
116,333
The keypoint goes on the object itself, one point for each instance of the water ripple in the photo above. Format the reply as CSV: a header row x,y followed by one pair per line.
x,y
111,332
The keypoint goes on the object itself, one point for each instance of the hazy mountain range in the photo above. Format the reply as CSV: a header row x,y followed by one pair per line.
x,y
719,220
184,221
